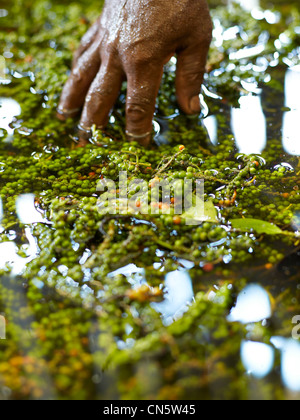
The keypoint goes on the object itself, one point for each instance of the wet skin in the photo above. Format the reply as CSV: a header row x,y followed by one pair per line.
x,y
132,40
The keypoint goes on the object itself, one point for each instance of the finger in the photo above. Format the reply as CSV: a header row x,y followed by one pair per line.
x,y
102,95
78,84
142,89
191,63
86,41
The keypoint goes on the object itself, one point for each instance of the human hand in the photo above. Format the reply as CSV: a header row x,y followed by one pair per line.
x,y
132,40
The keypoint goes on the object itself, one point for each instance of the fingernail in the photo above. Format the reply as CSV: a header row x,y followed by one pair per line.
x,y
195,105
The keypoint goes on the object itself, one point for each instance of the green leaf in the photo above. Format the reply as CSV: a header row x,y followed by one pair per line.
x,y
201,213
259,226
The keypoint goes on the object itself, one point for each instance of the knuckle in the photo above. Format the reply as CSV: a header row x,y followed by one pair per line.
x,y
77,75
138,112
194,76
99,95
139,55
141,59
103,92
110,49
192,71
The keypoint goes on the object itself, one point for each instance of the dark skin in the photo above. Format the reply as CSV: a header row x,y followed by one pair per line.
x,y
132,40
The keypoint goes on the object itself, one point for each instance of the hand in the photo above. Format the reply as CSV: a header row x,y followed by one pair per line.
x,y
132,40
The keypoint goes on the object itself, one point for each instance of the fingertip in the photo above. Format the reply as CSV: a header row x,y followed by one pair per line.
x,y
195,105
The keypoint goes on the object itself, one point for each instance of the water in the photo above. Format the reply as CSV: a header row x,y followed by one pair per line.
x,y
9,109
290,123
254,125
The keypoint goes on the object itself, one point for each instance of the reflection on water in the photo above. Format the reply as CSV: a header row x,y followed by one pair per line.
x,y
127,271
27,214
9,109
178,297
1,210
249,125
290,361
178,290
253,305
9,254
291,119
250,129
3,12
247,4
26,211
290,365
257,358
250,121
211,125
